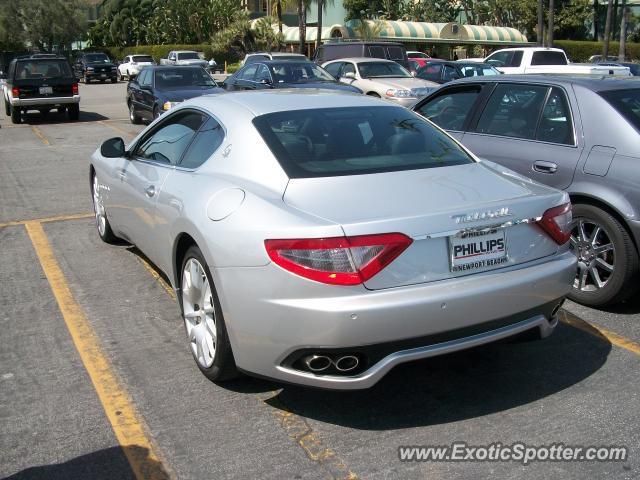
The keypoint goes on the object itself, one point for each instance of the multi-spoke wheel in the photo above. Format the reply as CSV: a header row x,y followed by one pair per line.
x,y
102,223
607,258
206,331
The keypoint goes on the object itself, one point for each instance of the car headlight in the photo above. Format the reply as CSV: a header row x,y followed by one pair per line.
x,y
398,93
169,105
89,69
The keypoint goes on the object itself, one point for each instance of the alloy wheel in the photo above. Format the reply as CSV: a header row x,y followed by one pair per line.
x,y
98,208
595,250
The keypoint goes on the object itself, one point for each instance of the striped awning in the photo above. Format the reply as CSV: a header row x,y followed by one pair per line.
x,y
292,35
482,33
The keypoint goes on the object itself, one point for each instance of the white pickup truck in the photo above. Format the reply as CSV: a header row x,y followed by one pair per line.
x,y
184,57
546,60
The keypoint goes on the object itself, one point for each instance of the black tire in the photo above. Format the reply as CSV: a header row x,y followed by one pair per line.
x,y
224,365
7,108
16,115
114,79
62,109
133,116
107,236
74,112
621,283
102,80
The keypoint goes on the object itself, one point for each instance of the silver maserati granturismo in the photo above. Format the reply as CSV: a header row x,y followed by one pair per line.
x,y
323,238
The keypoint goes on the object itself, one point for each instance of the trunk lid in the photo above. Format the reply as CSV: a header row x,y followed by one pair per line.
x,y
424,205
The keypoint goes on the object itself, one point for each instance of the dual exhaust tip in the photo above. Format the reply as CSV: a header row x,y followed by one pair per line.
x,y
321,363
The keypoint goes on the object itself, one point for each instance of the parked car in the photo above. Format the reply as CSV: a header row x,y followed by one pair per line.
x,y
261,56
284,74
634,68
412,55
380,78
323,239
600,58
132,64
416,64
40,84
443,71
95,66
184,57
158,89
546,60
581,135
343,50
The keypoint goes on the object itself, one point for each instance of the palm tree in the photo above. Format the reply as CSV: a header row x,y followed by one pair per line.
x,y
319,25
541,23
623,32
302,25
550,33
607,30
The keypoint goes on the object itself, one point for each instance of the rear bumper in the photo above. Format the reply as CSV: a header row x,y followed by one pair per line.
x,y
101,76
36,102
283,314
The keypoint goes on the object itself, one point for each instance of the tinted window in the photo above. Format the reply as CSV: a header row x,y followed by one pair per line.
x,y
376,51
142,58
513,111
206,142
516,59
348,68
555,124
431,71
548,58
145,77
96,57
627,102
500,59
42,69
170,140
354,141
262,74
182,77
382,70
188,56
450,110
248,73
449,73
395,53
477,69
334,68
299,72
256,58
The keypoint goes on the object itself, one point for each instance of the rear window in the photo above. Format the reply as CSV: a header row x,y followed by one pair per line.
x,y
34,69
395,53
548,58
627,102
96,58
142,58
188,56
376,51
355,141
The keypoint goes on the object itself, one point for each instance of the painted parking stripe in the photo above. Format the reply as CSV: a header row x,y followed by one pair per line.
x,y
40,135
57,218
117,129
128,425
590,328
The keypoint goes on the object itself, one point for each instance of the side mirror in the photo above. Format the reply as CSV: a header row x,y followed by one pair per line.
x,y
113,148
265,81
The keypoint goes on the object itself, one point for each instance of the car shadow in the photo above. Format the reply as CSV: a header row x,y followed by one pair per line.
x,y
629,307
106,464
452,387
54,117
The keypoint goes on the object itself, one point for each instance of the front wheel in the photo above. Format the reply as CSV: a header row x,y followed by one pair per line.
x,y
16,115
204,324
607,258
102,223
7,108
133,116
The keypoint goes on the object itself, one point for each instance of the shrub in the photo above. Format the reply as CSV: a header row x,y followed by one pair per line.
x,y
162,51
580,51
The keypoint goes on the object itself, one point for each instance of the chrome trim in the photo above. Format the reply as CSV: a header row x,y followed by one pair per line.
x,y
449,233
26,102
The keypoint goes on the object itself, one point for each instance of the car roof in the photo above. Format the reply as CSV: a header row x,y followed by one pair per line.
x,y
361,42
184,51
361,59
596,83
303,61
172,67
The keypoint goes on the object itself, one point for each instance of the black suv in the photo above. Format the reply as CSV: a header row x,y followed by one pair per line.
x,y
41,84
95,66
335,50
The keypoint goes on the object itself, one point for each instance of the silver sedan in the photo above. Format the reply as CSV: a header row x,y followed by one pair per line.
x,y
322,238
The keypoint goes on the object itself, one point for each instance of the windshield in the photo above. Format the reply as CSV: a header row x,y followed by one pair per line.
x,y
382,70
142,59
188,56
183,77
355,141
306,72
97,58
42,69
477,69
627,102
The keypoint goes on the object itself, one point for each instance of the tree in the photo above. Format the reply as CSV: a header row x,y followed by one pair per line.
x,y
238,37
623,32
551,26
302,25
540,26
319,24
607,30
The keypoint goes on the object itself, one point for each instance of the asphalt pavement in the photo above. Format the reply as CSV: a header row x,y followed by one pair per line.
x,y
97,381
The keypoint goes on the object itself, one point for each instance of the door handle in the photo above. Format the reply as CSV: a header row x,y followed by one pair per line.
x,y
545,167
150,191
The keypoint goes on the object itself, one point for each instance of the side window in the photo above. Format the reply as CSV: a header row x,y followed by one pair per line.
x,y
395,53
169,141
500,59
555,124
204,145
431,71
248,73
449,73
450,109
348,67
377,51
145,78
262,74
551,57
334,68
516,60
513,110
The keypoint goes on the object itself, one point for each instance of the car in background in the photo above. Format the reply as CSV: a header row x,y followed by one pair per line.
x,y
600,59
416,64
40,84
580,135
261,56
158,89
380,78
185,57
323,239
269,74
412,55
395,52
634,68
91,66
443,71
132,64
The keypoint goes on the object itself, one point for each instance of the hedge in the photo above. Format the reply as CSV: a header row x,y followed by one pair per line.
x,y
580,51
162,51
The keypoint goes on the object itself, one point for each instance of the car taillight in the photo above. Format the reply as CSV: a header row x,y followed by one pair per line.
x,y
557,223
74,89
338,260
15,91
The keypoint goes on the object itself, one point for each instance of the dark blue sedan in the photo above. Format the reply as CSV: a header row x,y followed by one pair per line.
x,y
284,74
158,89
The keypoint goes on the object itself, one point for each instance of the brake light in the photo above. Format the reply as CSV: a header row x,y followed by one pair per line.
x,y
74,89
338,260
557,223
15,91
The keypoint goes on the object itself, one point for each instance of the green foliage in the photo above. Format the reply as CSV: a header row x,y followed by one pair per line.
x,y
161,51
580,51
239,38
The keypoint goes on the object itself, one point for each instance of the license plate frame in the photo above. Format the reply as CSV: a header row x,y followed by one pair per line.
x,y
485,249
46,90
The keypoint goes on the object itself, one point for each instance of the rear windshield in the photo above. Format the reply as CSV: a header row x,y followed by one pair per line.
x,y
96,58
183,77
548,58
355,141
143,59
33,69
627,102
188,56
289,57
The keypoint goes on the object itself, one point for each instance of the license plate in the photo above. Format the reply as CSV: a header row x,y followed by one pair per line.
x,y
104,75
478,250
46,90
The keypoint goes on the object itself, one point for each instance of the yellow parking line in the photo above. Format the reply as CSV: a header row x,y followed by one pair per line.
x,y
58,218
127,424
612,337
40,135
117,129
154,273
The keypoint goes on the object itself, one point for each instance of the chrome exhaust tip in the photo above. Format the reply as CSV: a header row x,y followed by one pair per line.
x,y
317,363
347,363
